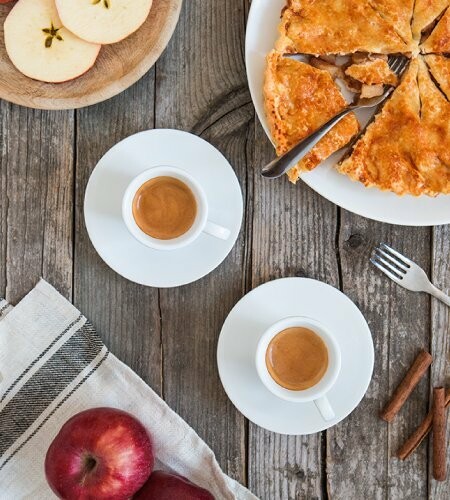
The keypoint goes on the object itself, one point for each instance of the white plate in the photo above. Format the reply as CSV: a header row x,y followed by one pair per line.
x,y
103,199
262,31
264,306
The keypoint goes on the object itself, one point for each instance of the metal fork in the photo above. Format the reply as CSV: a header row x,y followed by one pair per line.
x,y
405,272
282,164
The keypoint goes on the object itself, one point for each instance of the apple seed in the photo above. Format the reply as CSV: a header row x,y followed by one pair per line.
x,y
105,3
52,33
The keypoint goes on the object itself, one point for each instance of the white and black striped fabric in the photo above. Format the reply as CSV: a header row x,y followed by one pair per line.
x,y
53,365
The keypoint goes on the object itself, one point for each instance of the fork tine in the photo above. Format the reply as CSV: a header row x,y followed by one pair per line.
x,y
393,61
403,65
389,266
385,271
397,64
398,263
401,257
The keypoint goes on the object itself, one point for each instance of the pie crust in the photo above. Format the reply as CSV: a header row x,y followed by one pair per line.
x,y
432,155
405,150
425,13
440,70
439,40
399,14
300,98
337,27
382,157
372,72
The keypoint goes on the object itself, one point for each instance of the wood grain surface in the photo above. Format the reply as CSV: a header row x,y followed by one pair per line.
x,y
169,337
118,65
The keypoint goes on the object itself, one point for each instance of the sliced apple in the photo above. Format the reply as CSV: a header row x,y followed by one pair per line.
x,y
103,21
41,48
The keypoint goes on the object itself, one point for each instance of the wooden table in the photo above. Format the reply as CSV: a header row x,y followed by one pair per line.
x,y
169,336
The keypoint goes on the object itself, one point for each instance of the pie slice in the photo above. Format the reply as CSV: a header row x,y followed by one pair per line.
x,y
382,157
398,13
439,40
372,72
425,13
432,155
321,27
298,99
440,69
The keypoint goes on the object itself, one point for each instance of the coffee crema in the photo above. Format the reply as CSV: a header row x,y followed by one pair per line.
x,y
164,208
297,358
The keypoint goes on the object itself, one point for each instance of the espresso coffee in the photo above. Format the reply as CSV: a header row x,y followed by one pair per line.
x,y
164,208
297,358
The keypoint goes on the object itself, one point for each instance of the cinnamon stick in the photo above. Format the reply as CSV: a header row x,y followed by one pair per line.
x,y
414,440
439,435
406,386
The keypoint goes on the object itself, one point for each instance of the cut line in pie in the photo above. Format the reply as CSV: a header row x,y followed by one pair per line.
x,y
406,148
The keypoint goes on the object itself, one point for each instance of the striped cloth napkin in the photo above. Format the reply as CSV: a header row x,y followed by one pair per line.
x,y
53,365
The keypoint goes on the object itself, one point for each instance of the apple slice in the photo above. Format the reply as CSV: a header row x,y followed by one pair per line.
x,y
103,21
41,48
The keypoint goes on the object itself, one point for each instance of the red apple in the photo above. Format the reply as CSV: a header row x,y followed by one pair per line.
x,y
101,453
6,1
165,486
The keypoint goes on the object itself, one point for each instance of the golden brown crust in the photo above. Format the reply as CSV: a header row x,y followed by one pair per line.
x,y
439,40
432,154
405,150
398,13
425,13
382,157
440,69
372,72
298,99
337,27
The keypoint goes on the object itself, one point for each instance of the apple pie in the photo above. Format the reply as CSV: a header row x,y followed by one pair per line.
x,y
298,99
397,13
432,154
439,39
372,72
440,69
382,157
405,150
337,27
406,147
426,12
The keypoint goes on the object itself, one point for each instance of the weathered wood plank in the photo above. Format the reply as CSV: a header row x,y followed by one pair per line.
x,y
293,235
37,199
125,314
440,345
4,200
360,449
201,87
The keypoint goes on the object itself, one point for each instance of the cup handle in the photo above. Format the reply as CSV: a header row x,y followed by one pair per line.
x,y
324,407
217,231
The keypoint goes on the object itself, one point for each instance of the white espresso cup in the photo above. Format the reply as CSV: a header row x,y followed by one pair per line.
x,y
201,222
316,393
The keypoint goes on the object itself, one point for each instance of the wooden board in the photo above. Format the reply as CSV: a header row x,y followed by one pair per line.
x,y
117,67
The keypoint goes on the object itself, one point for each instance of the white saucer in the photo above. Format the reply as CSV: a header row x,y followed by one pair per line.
x,y
264,306
105,189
